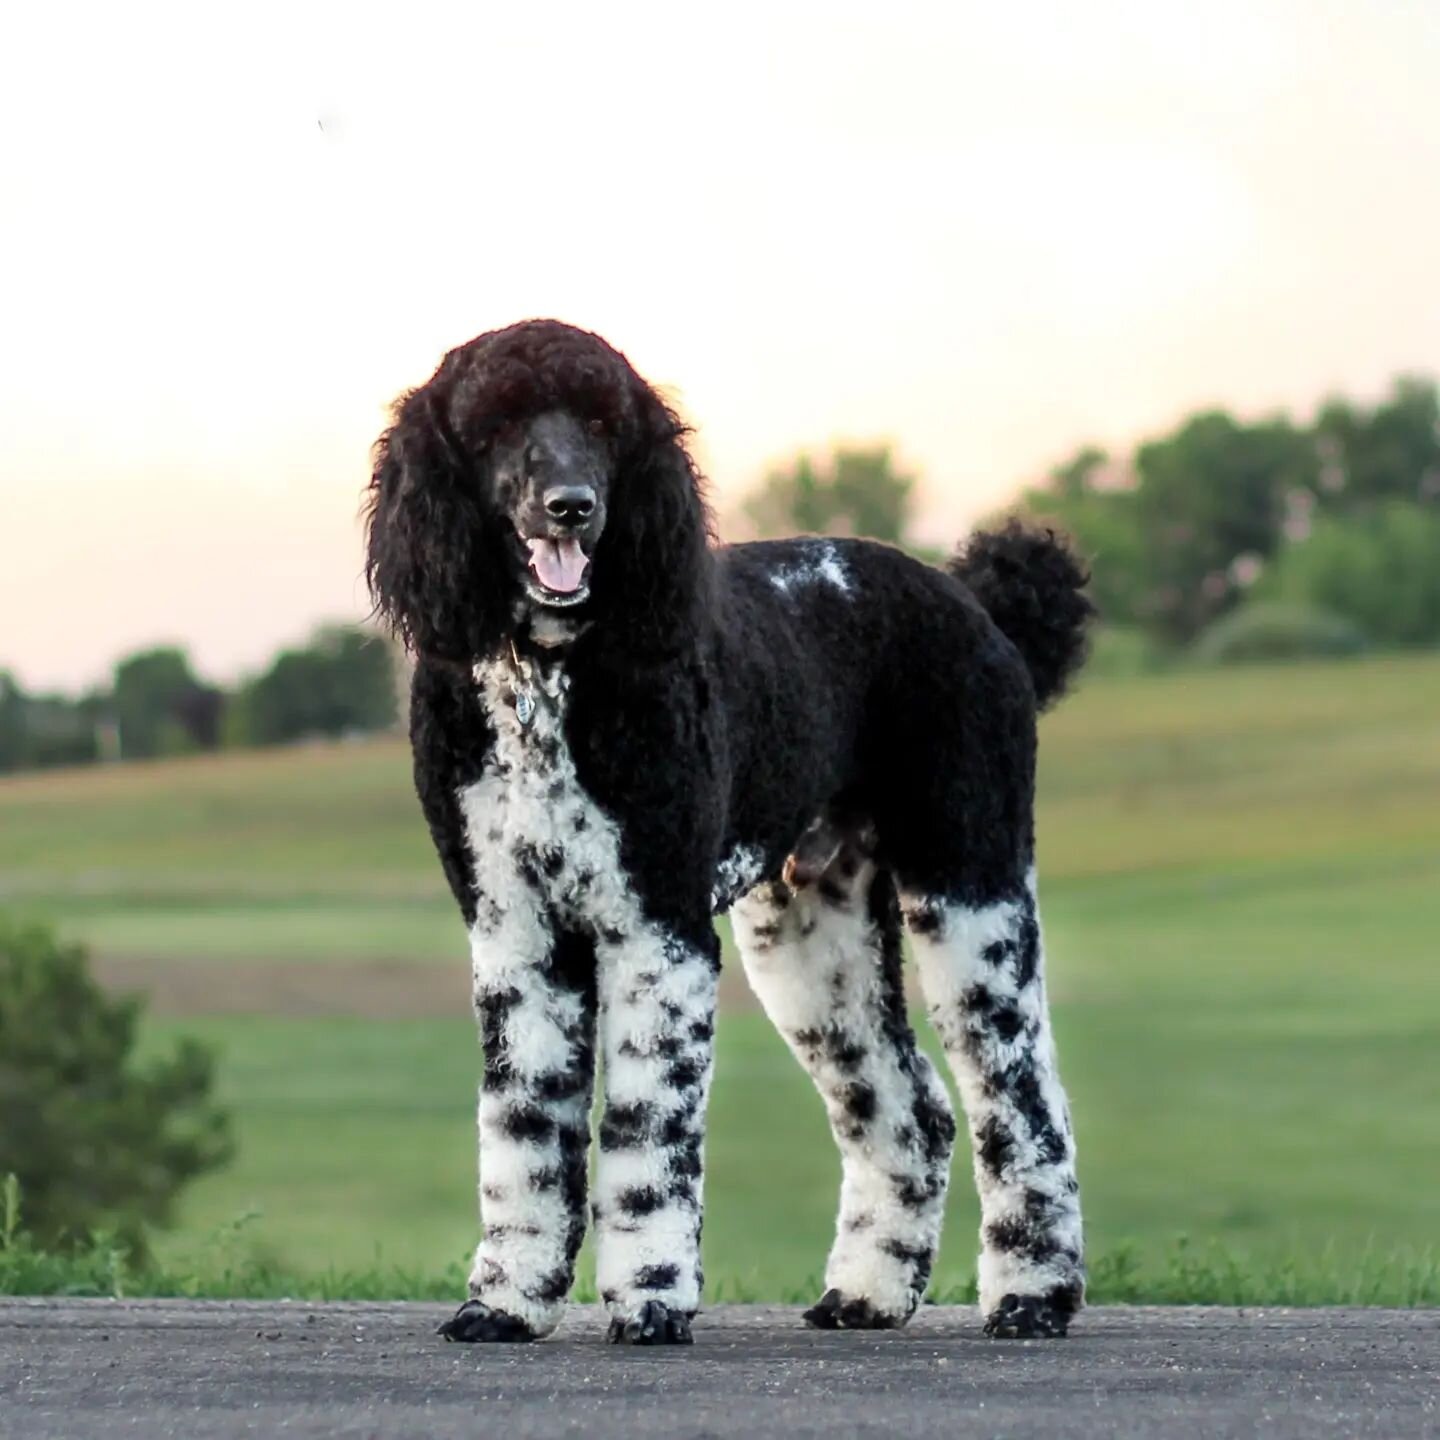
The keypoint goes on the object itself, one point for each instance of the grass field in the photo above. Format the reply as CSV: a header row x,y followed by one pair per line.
x,y
1241,886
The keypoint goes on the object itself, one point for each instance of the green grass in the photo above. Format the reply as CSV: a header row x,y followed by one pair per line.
x,y
318,929
1286,1142
220,1269
1295,771
355,1177
1241,886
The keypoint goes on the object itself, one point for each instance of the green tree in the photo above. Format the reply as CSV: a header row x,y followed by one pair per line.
x,y
59,731
1210,493
1077,477
342,681
791,501
1389,453
97,1138
12,723
859,492
38,730
1379,570
1104,522
1213,501
160,706
869,496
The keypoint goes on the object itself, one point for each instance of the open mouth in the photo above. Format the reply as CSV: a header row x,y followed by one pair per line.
x,y
559,571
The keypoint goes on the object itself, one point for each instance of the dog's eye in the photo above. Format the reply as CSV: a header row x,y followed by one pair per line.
x,y
597,427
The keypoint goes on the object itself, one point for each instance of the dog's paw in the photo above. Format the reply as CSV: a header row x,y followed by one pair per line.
x,y
654,1323
1029,1317
832,1311
475,1323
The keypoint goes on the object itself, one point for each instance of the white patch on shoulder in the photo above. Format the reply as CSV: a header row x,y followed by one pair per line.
x,y
819,564
736,874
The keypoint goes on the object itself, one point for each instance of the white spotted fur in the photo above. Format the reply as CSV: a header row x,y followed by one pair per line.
x,y
793,977
823,949
510,804
819,564
950,961
735,874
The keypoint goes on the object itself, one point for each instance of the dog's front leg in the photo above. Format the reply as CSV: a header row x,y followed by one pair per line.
x,y
657,1026
535,1000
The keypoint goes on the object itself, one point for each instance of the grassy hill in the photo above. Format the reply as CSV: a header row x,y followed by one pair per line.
x,y
316,852
1241,881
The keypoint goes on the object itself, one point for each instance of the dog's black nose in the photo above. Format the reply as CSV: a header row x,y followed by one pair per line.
x,y
570,504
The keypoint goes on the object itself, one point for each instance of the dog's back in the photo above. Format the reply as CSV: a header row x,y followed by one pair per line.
x,y
854,673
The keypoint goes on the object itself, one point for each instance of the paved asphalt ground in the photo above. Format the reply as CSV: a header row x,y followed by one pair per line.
x,y
71,1369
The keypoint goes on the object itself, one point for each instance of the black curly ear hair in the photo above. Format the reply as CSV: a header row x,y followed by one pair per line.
x,y
653,570
435,561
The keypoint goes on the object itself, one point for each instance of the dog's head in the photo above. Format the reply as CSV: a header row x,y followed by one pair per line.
x,y
535,474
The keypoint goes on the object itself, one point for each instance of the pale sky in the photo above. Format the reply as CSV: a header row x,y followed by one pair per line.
x,y
985,232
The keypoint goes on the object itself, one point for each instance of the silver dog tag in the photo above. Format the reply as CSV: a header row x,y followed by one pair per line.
x,y
524,705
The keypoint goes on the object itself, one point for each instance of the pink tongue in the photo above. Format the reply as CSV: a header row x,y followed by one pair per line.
x,y
559,565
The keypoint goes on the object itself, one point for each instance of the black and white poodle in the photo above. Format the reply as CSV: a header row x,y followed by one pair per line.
x,y
620,730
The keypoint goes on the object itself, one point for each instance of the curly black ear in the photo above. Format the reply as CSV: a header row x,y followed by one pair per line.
x,y
434,561
653,568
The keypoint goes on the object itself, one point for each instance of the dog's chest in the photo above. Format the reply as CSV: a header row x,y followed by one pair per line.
x,y
535,834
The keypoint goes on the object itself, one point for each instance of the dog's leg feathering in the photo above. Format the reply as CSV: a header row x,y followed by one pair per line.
x,y
982,972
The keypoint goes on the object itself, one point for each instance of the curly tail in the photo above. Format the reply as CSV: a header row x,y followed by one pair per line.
x,y
1033,585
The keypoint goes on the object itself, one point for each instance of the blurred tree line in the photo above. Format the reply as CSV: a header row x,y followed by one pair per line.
x,y
1340,517
1223,538
1268,535
341,681
859,492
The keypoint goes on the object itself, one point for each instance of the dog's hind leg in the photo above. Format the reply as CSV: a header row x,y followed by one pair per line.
x,y
981,967
825,962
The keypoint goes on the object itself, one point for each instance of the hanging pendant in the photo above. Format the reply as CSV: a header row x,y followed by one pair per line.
x,y
524,704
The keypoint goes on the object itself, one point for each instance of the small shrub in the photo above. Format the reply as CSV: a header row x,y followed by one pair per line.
x,y
1261,632
99,1142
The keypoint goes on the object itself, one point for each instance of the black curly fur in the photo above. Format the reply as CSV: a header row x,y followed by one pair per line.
x,y
1033,586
